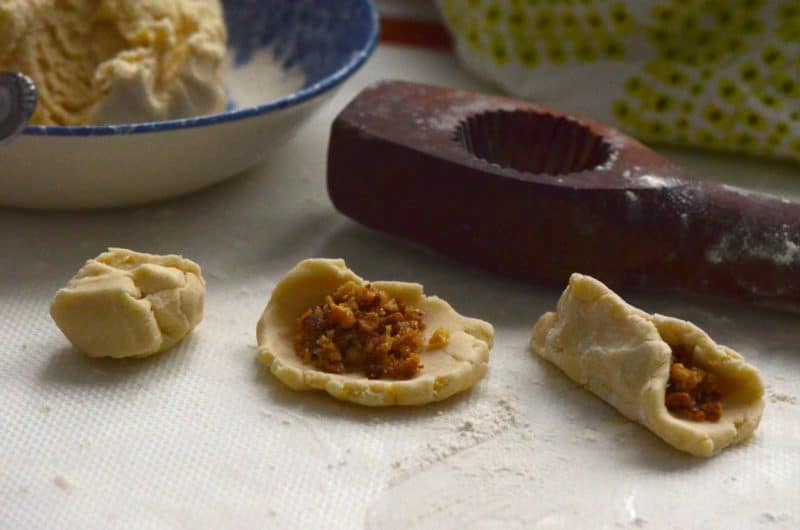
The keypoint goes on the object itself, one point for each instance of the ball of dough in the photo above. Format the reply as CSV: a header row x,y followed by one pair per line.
x,y
130,304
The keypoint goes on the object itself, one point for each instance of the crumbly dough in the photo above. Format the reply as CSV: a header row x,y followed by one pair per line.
x,y
623,354
459,363
130,304
117,61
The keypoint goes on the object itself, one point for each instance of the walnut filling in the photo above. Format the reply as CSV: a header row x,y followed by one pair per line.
x,y
362,329
439,339
692,393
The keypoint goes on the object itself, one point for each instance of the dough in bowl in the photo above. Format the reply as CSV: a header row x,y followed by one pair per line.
x,y
454,354
664,373
130,304
117,61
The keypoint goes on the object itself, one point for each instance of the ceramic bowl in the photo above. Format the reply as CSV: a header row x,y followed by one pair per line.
x,y
286,58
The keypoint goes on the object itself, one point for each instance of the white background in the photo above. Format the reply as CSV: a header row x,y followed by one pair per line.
x,y
201,437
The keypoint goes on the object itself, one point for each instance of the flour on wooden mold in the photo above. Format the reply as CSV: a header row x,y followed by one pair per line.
x,y
652,181
449,119
634,206
754,194
612,159
745,242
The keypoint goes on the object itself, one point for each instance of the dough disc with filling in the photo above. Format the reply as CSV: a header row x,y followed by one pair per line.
x,y
623,355
451,369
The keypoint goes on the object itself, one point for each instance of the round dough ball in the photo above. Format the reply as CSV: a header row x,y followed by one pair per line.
x,y
130,304
453,367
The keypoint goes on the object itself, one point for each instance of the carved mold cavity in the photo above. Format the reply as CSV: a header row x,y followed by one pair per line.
x,y
532,142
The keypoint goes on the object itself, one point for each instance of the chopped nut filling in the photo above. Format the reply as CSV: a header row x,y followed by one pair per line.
x,y
438,339
362,329
692,393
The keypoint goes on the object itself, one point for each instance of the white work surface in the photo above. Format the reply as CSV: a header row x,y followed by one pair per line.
x,y
203,437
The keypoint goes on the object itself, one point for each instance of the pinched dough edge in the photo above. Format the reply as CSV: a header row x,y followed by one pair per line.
x,y
622,354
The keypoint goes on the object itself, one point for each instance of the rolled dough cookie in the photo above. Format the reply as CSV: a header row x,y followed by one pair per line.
x,y
624,356
449,367
130,304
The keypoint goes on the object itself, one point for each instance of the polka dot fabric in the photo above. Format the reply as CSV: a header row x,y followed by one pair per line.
x,y
717,74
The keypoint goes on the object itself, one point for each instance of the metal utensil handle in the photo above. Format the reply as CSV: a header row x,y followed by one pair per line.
x,y
18,98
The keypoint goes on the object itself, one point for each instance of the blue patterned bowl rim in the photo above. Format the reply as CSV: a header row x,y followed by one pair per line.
x,y
306,93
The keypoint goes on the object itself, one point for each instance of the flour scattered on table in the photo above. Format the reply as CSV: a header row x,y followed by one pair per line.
x,y
217,276
780,397
590,435
486,421
467,426
768,517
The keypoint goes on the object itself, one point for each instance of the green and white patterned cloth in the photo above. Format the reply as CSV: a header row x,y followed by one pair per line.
x,y
717,74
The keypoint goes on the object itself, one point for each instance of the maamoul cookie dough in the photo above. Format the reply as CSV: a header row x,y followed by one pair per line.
x,y
376,344
117,61
664,373
130,304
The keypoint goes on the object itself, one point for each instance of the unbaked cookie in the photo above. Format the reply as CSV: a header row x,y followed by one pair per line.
x,y
130,304
664,373
454,355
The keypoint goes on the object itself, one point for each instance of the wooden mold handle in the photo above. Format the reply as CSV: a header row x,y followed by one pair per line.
x,y
638,223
